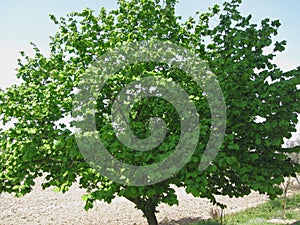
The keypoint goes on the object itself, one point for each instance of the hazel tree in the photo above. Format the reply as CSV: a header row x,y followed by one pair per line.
x,y
261,102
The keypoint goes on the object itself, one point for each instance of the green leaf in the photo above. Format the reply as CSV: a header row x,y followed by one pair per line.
x,y
231,46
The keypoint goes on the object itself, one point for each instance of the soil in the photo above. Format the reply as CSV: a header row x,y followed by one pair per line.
x,y
48,207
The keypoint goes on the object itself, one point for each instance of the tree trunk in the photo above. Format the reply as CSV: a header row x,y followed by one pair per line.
x,y
150,216
147,207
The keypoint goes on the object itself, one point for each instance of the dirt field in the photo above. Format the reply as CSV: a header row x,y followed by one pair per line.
x,y
48,207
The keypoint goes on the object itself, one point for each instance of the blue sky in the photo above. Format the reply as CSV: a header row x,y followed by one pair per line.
x,y
25,21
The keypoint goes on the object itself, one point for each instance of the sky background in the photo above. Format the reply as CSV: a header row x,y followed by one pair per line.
x,y
22,22
25,21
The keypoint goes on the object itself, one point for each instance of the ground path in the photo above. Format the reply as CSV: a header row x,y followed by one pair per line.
x,y
46,207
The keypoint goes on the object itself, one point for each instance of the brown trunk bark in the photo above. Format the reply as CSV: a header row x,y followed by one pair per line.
x,y
151,217
148,209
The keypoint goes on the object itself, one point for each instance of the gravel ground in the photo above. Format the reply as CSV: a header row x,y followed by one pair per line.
x,y
48,207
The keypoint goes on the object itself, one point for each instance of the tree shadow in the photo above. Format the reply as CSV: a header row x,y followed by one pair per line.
x,y
189,220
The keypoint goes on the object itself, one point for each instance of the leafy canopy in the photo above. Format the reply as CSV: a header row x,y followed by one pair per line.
x,y
251,156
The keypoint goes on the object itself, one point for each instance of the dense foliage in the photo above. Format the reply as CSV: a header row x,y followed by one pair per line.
x,y
251,156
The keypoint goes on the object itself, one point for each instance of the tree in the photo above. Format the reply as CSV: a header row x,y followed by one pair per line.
x,y
251,156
